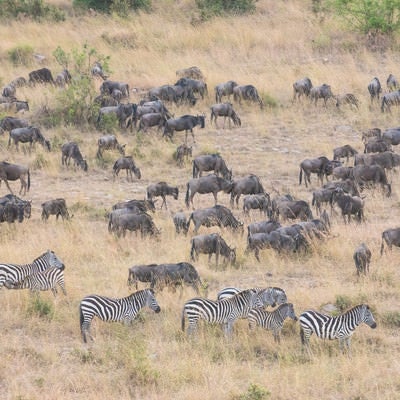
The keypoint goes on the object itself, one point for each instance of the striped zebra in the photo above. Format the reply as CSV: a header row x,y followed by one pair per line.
x,y
340,327
45,280
224,312
121,310
14,273
272,321
270,296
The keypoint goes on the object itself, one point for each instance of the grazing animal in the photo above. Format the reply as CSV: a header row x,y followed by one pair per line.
x,y
374,89
140,273
362,258
18,82
301,87
349,205
272,321
364,174
206,184
185,123
389,100
321,92
12,172
12,199
11,212
391,237
341,327
211,244
247,92
260,202
371,133
129,165
15,106
191,72
63,78
152,119
132,221
392,136
114,216
293,209
104,100
318,166
347,99
249,184
9,91
107,87
180,222
224,89
224,110
211,162
14,273
392,83
345,151
109,142
162,189
387,160
30,135
322,196
97,70
183,152
117,310
224,312
348,186
57,207
214,216
263,227
123,112
71,150
342,172
195,85
10,123
140,205
42,75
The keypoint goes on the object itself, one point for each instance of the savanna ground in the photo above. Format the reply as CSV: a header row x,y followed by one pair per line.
x,y
43,356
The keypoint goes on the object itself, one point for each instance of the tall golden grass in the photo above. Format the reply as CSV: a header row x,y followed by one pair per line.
x,y
43,357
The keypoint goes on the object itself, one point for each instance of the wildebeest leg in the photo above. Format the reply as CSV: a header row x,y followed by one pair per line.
x,y
23,185
164,201
215,197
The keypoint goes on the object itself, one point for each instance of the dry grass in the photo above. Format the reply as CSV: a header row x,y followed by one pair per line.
x,y
44,357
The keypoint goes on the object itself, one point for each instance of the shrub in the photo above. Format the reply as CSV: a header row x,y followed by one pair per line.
x,y
21,55
254,392
120,7
35,9
41,308
391,319
211,8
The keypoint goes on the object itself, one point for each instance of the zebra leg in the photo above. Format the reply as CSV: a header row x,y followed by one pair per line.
x,y
277,336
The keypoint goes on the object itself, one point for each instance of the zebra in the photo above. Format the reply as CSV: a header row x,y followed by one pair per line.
x,y
13,273
270,296
121,310
272,321
224,312
44,280
340,327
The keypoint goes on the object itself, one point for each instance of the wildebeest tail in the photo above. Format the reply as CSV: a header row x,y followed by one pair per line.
x,y
29,180
188,222
300,175
382,244
187,198
195,170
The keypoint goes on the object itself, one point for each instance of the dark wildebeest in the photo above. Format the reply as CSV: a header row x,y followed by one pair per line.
x,y
321,196
9,91
391,237
349,205
162,189
374,89
321,92
107,87
183,152
260,202
371,133
348,186
12,172
42,75
294,209
387,160
347,99
214,216
364,174
211,162
57,207
129,165
362,258
140,273
164,92
263,227
247,92
377,146
180,222
139,205
301,87
191,72
249,184
11,198
224,110
392,83
18,82
71,150
224,89
342,172
211,244
109,142
123,112
134,222
104,100
11,212
185,123
195,85
114,215
206,184
97,70
152,119
10,123
30,135
17,106
389,100
345,151
63,78
317,166
392,136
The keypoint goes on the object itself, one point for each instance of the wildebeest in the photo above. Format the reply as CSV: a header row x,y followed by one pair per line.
x,y
321,196
12,172
10,123
152,119
30,134
392,83
109,142
206,184
185,123
224,89
260,202
224,110
249,184
293,209
349,205
362,258
374,89
123,112
104,100
11,212
392,136
71,150
162,189
211,244
342,172
364,174
391,237
247,92
129,165
263,227
348,186
13,199
97,70
180,222
211,162
195,85
63,78
387,160
57,207
301,87
42,75
140,273
389,100
371,133
347,98
377,146
18,82
9,91
191,72
317,166
139,205
345,151
16,106
134,222
107,87
214,216
183,152
321,92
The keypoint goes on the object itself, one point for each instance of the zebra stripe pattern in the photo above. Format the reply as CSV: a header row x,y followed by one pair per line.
x,y
118,310
270,296
49,279
222,312
14,273
272,321
340,327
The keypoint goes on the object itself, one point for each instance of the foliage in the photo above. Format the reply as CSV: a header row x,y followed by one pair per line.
x,y
212,8
35,9
41,308
343,302
120,7
254,392
21,55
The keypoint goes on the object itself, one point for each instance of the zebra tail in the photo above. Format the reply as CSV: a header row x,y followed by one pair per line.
x,y
302,337
81,320
183,320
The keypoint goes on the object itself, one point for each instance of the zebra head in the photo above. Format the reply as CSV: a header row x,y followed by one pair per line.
x,y
290,313
279,295
151,300
367,317
54,261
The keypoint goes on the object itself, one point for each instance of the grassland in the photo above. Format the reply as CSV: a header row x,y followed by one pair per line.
x,y
43,356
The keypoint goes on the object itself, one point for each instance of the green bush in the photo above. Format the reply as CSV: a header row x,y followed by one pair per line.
x,y
41,308
21,55
254,392
120,7
211,8
35,9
